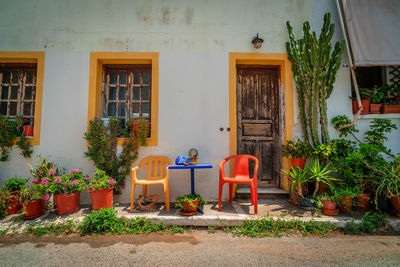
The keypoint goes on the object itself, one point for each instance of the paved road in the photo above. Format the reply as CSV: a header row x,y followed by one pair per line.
x,y
199,248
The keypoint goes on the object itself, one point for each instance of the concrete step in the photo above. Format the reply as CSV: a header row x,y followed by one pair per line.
x,y
263,193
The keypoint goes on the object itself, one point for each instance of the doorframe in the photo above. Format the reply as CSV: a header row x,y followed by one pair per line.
x,y
286,79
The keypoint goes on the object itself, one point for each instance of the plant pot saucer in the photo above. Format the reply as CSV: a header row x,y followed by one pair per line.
x,y
185,213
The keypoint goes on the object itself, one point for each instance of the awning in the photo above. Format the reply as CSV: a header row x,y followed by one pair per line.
x,y
372,29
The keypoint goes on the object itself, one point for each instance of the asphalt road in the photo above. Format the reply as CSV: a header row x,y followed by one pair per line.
x,y
199,248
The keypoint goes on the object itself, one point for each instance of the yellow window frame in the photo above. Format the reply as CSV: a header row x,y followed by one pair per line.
x,y
98,59
38,59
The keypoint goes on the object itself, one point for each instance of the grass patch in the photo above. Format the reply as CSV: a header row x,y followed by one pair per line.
x,y
370,223
66,227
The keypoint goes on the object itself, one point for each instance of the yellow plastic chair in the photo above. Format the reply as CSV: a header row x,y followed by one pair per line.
x,y
155,175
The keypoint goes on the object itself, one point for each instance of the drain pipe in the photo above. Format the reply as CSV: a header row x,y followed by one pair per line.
x,y
351,66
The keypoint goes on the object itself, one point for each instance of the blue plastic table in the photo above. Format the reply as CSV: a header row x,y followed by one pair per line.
x,y
192,167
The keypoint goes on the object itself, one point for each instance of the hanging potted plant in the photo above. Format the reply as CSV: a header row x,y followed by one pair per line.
x,y
298,178
14,186
101,190
66,190
32,197
189,204
297,151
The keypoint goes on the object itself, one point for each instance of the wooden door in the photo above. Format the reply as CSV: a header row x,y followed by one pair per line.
x,y
258,120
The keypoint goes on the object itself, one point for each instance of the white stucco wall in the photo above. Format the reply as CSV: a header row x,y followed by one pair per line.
x,y
193,38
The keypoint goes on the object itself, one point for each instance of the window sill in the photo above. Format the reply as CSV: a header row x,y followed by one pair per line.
x,y
380,116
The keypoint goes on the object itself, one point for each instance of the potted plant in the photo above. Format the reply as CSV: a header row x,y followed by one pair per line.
x,y
14,185
320,175
297,151
101,190
189,204
32,197
147,203
6,202
66,190
346,195
43,169
391,107
365,99
298,177
377,95
327,203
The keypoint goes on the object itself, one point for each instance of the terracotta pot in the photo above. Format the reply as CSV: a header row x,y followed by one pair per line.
x,y
188,208
102,199
149,206
396,203
15,205
391,109
345,204
375,108
329,205
364,103
67,203
364,201
33,209
28,130
329,212
298,162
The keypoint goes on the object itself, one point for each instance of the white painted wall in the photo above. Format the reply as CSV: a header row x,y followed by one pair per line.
x,y
193,38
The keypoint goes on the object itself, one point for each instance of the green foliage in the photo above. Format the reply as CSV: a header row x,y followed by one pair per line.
x,y
320,174
296,149
314,69
378,129
102,148
5,201
15,184
212,229
33,192
189,198
325,151
12,134
341,120
68,183
377,94
101,181
100,221
43,168
370,223
176,229
277,227
55,228
346,191
298,177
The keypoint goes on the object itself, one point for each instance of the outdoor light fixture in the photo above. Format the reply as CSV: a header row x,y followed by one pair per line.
x,y
257,42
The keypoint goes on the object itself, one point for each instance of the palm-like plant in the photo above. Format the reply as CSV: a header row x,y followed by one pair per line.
x,y
320,174
386,179
298,176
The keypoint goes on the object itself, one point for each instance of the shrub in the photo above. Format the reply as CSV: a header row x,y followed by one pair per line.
x,y
100,221
15,184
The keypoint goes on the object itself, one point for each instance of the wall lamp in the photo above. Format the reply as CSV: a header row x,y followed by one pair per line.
x,y
257,42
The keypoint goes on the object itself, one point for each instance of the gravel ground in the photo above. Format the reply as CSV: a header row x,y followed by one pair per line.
x,y
198,248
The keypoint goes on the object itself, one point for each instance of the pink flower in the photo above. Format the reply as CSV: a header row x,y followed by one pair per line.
x,y
46,197
122,186
34,181
63,188
58,180
44,181
40,173
74,170
111,181
52,172
75,182
87,178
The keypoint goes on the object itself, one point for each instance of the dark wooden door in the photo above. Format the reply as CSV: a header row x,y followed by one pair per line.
x,y
258,120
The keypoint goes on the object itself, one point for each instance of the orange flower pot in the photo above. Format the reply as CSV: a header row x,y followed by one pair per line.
x,y
345,204
364,201
396,203
67,203
188,208
387,109
15,205
364,103
375,108
102,199
329,212
28,130
33,209
330,205
298,162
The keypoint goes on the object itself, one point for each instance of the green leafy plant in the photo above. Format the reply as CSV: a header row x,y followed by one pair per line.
x,y
43,169
296,149
15,184
100,221
377,94
33,192
298,177
68,183
320,174
102,148
369,224
101,181
314,67
22,142
5,201
378,129
339,121
189,198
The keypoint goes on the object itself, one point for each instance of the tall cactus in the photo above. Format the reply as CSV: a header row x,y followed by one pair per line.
x,y
314,68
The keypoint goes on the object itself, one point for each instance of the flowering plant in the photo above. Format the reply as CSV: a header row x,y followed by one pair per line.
x,y
71,182
101,181
34,192
44,169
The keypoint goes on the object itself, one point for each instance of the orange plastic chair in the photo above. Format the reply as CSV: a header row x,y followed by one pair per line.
x,y
155,175
240,176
